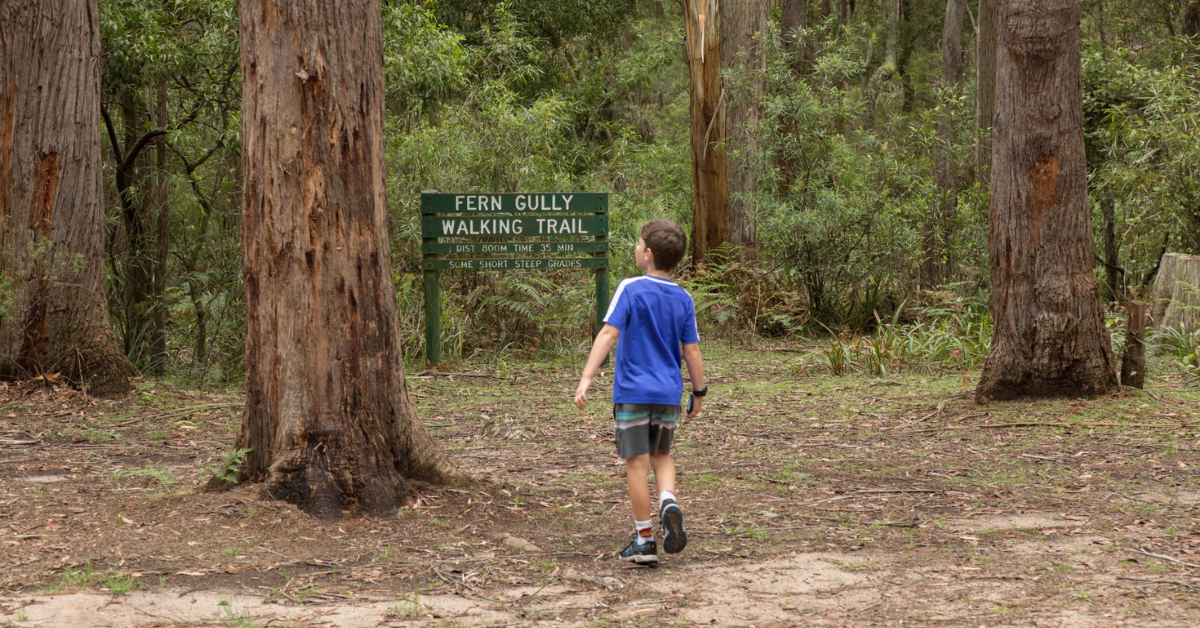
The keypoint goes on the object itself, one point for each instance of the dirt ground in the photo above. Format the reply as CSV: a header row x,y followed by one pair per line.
x,y
810,500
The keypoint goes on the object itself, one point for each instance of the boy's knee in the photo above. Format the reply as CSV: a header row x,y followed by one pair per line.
x,y
639,462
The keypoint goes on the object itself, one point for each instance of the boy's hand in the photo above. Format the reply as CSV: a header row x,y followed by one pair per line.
x,y
581,393
696,403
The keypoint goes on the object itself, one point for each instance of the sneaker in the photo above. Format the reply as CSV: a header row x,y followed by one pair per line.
x,y
671,517
644,554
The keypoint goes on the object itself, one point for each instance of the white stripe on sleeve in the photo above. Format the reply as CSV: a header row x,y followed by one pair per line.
x,y
616,297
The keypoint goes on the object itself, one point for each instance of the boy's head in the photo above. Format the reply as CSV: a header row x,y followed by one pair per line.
x,y
661,246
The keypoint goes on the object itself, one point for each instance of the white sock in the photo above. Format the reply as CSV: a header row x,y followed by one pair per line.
x,y
664,496
645,531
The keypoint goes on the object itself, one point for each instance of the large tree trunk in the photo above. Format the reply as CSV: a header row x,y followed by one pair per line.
x,y
328,416
741,23
939,228
1049,338
985,86
53,313
712,225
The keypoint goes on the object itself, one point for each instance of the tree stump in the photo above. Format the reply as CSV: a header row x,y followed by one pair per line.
x,y
1133,365
1176,296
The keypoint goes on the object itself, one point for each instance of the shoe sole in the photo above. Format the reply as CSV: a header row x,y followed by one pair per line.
x,y
642,560
672,521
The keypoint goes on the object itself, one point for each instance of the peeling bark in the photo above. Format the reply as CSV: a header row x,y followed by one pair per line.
x,y
53,316
328,416
711,226
1049,338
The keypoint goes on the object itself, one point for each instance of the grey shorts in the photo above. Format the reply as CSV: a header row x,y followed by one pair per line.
x,y
644,428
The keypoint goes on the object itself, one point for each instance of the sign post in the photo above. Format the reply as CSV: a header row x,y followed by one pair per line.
x,y
501,232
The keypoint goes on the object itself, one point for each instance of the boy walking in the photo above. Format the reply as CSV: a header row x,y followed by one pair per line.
x,y
656,322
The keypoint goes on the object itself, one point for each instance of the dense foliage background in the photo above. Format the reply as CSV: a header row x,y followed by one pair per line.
x,y
553,95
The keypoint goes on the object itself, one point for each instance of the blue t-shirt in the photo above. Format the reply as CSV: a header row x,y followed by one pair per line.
x,y
655,317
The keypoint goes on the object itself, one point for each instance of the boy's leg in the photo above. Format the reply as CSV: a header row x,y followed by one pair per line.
x,y
664,472
637,470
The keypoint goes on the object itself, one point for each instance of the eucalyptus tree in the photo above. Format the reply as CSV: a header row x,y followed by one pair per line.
x,y
1049,337
53,316
328,419
743,25
711,224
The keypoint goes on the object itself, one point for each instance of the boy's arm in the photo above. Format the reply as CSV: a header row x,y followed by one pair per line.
x,y
600,348
695,367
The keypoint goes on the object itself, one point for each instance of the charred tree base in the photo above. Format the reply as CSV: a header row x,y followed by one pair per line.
x,y
326,484
1008,381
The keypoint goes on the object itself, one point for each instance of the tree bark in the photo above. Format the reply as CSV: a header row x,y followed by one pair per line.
x,y
890,65
985,86
1176,295
1049,338
1189,27
162,202
1133,363
794,18
1112,263
328,416
53,312
709,177
741,23
939,228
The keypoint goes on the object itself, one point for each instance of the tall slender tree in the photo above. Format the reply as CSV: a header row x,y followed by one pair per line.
x,y
711,227
328,416
1049,337
938,229
985,86
741,24
53,316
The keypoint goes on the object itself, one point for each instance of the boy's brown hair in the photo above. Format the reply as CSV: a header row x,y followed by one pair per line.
x,y
668,242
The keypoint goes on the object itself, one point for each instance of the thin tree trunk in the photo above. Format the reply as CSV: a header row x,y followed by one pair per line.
x,y
328,415
131,188
890,61
939,228
1133,363
741,23
53,312
985,86
1112,261
709,177
162,201
794,17
1049,338
1189,27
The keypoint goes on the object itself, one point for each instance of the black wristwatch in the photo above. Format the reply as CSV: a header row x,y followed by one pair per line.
x,y
701,392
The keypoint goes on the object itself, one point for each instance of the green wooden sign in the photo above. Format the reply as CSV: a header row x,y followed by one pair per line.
x,y
513,226
554,224
551,263
514,203
496,248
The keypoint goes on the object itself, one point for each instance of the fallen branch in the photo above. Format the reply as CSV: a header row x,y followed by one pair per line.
x,y
959,428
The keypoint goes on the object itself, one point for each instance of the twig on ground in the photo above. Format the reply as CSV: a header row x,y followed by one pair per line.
x,y
1175,583
1170,559
959,428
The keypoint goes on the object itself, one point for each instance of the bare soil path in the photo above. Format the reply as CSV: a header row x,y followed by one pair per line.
x,y
810,500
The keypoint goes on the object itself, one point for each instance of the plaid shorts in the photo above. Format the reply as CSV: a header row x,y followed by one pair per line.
x,y
643,428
